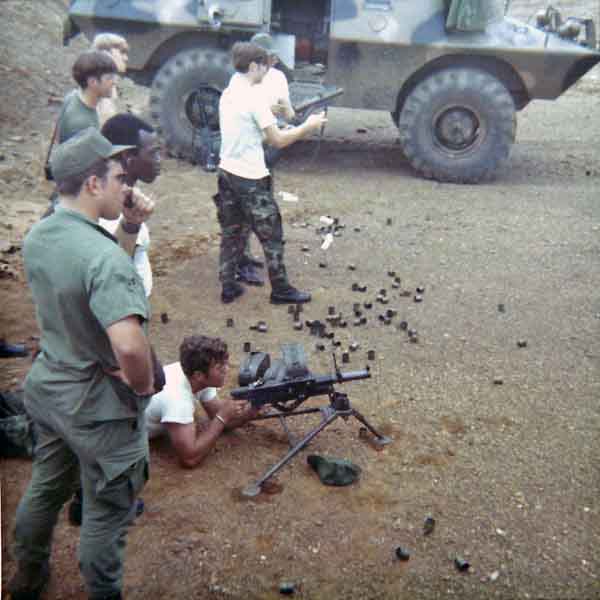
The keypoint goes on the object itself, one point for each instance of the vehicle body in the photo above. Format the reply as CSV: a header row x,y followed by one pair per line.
x,y
451,72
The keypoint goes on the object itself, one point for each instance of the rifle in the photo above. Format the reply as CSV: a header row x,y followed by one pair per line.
x,y
320,100
289,381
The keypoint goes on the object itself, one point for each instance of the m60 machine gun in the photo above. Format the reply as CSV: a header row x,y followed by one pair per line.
x,y
285,384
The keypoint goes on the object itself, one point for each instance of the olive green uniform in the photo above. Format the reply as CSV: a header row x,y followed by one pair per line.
x,y
86,421
75,116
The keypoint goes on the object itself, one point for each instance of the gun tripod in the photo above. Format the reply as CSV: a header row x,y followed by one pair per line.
x,y
339,406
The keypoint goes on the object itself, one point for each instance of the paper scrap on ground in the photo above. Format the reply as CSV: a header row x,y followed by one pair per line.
x,y
287,197
327,241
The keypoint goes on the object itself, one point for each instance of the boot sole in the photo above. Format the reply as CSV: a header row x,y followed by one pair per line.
x,y
289,301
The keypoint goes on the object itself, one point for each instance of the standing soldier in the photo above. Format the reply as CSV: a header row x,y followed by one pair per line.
x,y
245,201
275,86
95,72
87,389
118,49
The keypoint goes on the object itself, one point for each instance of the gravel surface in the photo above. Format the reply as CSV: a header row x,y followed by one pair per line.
x,y
499,443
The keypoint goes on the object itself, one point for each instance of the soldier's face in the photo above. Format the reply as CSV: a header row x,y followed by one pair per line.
x,y
258,71
112,191
103,86
121,57
145,165
217,374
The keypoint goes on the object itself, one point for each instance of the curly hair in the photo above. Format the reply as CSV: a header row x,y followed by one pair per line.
x,y
198,353
124,130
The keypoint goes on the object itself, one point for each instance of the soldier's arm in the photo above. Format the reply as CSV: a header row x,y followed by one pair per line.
x,y
192,444
246,411
132,351
136,211
280,138
284,109
288,110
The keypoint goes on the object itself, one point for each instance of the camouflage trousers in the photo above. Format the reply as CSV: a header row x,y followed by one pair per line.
x,y
272,155
244,206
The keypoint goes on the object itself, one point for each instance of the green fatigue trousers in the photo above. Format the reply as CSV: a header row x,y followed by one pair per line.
x,y
61,455
245,205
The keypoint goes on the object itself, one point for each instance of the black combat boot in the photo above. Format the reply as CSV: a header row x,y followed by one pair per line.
x,y
29,581
289,295
230,292
247,273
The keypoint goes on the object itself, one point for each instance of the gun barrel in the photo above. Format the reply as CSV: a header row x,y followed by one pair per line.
x,y
319,99
354,375
304,387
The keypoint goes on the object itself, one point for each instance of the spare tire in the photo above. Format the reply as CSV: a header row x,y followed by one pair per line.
x,y
185,74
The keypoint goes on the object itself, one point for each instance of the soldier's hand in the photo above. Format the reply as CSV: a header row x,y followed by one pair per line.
x,y
137,207
232,410
278,109
315,121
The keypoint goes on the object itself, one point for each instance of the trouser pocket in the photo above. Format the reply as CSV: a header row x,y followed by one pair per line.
x,y
124,489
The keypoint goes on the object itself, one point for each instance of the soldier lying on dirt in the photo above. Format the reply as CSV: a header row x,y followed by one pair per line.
x,y
175,411
190,383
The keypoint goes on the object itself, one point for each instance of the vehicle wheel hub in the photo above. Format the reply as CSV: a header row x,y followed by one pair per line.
x,y
202,107
457,128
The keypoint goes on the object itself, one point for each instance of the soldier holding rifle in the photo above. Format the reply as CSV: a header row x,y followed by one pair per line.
x,y
245,201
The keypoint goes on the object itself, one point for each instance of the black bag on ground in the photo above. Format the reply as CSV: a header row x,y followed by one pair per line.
x,y
16,428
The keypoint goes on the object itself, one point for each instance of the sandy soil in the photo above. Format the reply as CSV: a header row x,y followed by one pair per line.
x,y
509,471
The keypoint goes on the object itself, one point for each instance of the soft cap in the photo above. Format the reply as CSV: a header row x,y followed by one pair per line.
x,y
80,152
265,41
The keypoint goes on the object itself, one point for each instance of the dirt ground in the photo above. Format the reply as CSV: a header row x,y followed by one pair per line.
x,y
508,470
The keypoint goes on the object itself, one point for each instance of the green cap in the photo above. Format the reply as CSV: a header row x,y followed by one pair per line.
x,y
334,471
80,152
265,41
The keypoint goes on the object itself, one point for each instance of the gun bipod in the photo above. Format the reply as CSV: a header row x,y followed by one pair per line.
x,y
339,406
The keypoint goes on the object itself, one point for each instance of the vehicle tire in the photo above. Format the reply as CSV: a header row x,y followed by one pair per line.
x,y
205,72
458,125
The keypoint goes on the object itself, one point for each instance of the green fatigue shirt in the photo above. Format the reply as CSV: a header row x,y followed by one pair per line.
x,y
75,116
82,282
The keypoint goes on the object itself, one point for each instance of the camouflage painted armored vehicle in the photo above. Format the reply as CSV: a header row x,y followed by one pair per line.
x,y
453,73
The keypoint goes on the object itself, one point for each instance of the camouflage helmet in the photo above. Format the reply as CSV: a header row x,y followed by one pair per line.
x,y
265,41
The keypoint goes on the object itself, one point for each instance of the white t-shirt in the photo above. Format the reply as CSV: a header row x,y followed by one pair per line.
x,y
275,86
243,114
141,261
175,403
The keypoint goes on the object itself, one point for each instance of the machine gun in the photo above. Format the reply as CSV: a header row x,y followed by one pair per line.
x,y
288,380
287,383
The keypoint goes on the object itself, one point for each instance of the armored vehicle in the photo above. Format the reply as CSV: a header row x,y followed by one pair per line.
x,y
452,73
